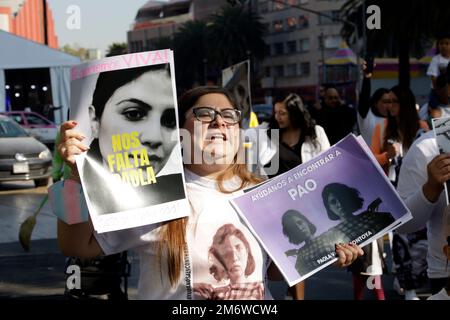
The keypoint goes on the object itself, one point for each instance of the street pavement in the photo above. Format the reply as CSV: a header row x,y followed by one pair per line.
x,y
40,274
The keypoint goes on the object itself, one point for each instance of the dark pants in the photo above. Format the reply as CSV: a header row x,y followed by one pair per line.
x,y
437,284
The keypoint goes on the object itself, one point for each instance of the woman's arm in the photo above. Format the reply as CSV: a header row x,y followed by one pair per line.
x,y
76,239
322,138
364,98
376,147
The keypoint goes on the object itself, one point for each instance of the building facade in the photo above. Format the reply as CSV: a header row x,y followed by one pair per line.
x,y
298,42
25,18
157,20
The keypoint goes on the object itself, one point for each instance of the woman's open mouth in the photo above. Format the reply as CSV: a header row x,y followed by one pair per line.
x,y
216,137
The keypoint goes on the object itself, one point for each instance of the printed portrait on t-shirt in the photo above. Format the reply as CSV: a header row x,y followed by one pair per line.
x,y
233,272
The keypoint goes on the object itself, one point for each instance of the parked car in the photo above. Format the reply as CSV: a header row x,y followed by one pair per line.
x,y
22,157
36,125
263,112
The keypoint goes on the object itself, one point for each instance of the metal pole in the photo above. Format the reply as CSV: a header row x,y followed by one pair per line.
x,y
44,15
364,30
322,47
205,71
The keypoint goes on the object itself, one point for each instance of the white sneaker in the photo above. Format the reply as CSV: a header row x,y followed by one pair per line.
x,y
411,295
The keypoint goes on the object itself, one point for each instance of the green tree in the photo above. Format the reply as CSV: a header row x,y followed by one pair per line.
x,y
75,50
117,49
191,52
406,28
162,43
203,48
236,34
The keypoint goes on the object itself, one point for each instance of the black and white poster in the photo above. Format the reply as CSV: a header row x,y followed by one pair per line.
x,y
125,106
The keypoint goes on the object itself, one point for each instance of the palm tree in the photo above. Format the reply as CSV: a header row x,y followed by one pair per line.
x,y
116,49
162,43
406,27
237,34
202,49
191,49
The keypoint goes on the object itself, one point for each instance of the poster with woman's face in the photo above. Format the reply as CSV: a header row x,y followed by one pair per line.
x,y
237,80
132,175
340,196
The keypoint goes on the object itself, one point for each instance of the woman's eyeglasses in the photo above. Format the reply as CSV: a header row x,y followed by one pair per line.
x,y
207,115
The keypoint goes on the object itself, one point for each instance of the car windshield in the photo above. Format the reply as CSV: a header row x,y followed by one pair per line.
x,y
9,129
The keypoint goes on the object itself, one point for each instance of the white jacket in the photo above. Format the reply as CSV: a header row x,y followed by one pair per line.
x,y
308,150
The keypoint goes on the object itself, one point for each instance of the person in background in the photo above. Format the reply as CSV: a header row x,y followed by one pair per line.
x,y
336,118
300,138
392,139
371,109
444,294
421,186
409,253
439,102
441,60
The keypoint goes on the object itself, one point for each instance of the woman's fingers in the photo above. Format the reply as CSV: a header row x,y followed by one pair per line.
x,y
348,253
341,256
70,148
67,131
74,142
359,250
71,143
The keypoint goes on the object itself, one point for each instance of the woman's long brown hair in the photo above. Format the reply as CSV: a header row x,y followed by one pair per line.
x,y
173,233
408,120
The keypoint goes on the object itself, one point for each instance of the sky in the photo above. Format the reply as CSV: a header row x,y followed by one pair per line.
x,y
102,22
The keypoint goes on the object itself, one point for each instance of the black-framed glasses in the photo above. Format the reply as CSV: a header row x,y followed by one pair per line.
x,y
208,114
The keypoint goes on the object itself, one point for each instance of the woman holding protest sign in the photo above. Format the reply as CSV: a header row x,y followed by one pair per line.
x,y
174,252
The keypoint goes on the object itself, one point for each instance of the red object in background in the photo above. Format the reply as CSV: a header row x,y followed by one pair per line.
x,y
29,22
35,124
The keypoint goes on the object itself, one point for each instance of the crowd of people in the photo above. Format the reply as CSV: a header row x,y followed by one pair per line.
x,y
219,246
391,124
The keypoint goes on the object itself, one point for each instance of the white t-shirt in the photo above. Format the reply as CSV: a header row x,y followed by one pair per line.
x,y
367,125
438,62
211,212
